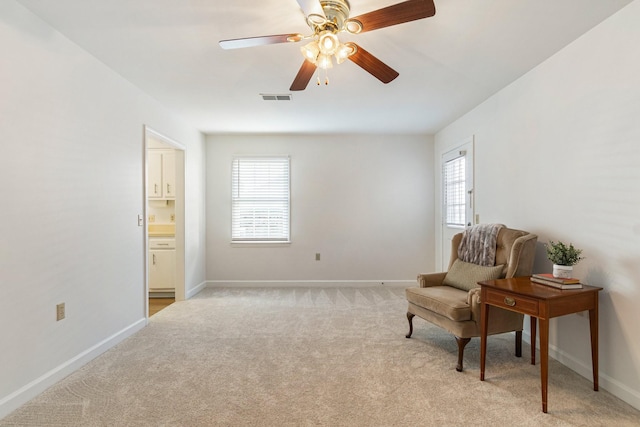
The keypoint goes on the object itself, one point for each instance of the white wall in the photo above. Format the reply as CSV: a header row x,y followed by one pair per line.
x,y
71,133
557,153
364,202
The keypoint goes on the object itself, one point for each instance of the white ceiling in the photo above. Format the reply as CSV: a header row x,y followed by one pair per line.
x,y
448,64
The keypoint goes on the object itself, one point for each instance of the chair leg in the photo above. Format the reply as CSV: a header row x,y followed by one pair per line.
x,y
518,343
410,319
462,342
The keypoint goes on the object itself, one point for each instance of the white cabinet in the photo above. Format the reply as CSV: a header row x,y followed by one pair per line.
x,y
161,180
154,177
169,174
162,265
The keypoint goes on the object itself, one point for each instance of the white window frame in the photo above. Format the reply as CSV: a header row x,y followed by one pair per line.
x,y
454,191
447,231
262,201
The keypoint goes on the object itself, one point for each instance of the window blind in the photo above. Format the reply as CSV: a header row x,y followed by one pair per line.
x,y
454,191
260,199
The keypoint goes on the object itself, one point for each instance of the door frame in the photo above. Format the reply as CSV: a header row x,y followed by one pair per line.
x,y
446,233
180,151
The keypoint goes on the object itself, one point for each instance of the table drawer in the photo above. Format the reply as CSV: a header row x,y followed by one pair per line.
x,y
513,302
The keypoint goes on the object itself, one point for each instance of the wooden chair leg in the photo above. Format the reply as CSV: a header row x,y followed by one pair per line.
x,y
518,343
410,319
462,342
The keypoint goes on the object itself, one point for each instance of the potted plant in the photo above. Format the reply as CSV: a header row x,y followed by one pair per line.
x,y
563,257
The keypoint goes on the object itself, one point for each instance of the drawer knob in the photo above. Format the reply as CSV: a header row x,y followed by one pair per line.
x,y
509,301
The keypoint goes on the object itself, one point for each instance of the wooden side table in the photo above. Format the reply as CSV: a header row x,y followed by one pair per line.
x,y
541,302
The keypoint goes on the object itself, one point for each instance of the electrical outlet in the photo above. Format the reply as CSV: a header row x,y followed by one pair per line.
x,y
60,311
152,218
173,217
318,257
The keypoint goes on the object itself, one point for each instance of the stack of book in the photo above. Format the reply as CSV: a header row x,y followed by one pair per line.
x,y
556,282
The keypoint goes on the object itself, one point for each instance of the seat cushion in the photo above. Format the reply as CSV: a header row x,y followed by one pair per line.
x,y
444,300
465,276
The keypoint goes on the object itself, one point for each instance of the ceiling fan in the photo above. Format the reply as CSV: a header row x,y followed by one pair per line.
x,y
327,18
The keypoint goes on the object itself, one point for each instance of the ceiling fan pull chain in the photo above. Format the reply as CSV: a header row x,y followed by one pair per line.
x,y
326,77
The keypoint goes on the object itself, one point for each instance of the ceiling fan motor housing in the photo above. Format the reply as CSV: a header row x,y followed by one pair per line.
x,y
336,13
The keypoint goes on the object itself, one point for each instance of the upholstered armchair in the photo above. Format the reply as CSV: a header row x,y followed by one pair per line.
x,y
451,299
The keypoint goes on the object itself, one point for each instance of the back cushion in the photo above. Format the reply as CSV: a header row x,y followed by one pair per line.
x,y
465,276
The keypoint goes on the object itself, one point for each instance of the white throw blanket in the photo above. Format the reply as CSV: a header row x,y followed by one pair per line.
x,y
478,245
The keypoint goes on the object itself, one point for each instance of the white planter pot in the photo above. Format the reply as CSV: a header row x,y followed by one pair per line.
x,y
562,271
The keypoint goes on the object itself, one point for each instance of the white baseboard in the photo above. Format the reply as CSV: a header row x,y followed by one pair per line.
x,y
605,382
193,291
309,283
21,396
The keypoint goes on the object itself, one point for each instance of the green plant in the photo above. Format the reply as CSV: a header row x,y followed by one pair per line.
x,y
561,254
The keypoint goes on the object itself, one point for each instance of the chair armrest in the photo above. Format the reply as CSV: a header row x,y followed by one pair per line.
x,y
473,299
431,279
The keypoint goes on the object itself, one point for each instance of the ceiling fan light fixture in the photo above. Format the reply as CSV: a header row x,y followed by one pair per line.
x,y
344,51
324,61
310,51
328,42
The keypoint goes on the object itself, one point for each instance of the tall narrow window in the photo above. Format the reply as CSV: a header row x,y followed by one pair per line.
x,y
454,191
260,199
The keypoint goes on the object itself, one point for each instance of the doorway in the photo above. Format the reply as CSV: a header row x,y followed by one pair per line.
x,y
457,195
164,235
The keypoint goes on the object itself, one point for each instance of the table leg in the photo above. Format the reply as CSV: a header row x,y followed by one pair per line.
x,y
593,323
544,360
484,319
534,321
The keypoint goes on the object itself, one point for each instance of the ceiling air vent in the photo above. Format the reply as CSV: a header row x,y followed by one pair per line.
x,y
275,97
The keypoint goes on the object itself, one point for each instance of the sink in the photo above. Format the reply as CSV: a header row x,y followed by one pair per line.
x,y
162,230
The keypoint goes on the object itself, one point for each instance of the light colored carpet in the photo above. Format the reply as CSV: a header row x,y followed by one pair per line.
x,y
311,357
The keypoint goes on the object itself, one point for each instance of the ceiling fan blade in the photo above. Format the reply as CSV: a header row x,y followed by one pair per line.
x,y
400,13
372,65
304,75
311,7
259,41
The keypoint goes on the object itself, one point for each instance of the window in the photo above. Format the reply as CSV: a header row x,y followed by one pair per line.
x,y
260,199
454,191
